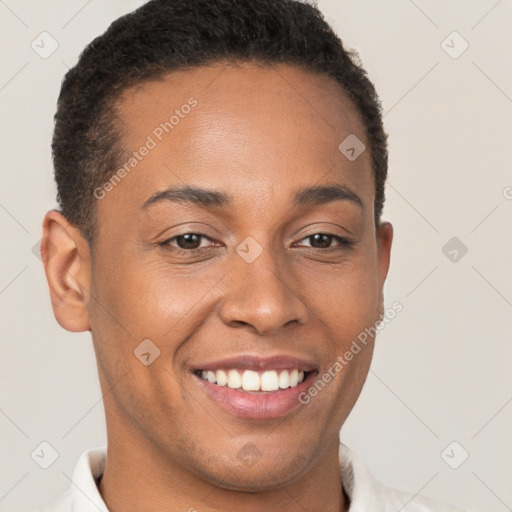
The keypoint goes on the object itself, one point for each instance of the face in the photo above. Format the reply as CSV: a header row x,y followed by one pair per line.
x,y
241,246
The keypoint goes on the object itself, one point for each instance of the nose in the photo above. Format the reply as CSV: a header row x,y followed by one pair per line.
x,y
263,295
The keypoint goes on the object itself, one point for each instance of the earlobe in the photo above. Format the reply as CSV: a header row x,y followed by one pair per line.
x,y
66,259
384,242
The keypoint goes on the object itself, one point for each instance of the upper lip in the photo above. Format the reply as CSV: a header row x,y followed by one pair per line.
x,y
251,362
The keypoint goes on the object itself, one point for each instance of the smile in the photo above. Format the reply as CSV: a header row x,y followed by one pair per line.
x,y
254,381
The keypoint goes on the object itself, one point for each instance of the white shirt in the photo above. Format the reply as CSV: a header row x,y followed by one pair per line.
x,y
366,493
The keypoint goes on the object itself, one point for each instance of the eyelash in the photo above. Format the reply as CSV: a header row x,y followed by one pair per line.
x,y
344,243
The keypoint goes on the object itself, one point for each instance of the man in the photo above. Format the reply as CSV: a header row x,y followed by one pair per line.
x,y
220,167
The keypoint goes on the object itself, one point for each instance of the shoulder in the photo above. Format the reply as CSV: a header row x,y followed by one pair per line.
x,y
82,494
367,494
64,503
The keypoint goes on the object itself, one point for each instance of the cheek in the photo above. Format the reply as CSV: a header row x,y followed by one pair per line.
x,y
138,311
136,303
347,298
148,297
171,303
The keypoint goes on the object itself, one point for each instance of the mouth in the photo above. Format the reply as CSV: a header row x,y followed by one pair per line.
x,y
256,388
253,381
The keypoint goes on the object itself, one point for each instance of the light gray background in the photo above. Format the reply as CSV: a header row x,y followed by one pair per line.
x,y
441,371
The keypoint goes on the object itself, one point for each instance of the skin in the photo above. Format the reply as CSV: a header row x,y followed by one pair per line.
x,y
258,134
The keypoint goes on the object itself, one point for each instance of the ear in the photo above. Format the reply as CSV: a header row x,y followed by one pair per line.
x,y
66,258
384,242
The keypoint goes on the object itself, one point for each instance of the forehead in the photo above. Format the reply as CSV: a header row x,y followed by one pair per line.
x,y
250,128
244,92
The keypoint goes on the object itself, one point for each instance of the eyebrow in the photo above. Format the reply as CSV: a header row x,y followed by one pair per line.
x,y
204,198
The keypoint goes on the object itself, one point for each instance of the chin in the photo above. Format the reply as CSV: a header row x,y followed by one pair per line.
x,y
260,473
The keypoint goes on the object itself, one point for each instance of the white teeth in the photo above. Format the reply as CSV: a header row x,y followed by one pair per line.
x,y
234,379
284,379
269,381
222,378
250,380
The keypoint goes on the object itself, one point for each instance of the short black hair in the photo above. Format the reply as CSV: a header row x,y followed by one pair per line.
x,y
169,35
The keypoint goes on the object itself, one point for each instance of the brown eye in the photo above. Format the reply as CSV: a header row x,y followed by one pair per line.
x,y
320,240
324,241
189,240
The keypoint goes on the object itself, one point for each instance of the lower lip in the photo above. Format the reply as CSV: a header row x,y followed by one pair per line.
x,y
264,405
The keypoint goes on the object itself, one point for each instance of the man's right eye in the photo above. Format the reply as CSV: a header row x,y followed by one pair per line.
x,y
186,243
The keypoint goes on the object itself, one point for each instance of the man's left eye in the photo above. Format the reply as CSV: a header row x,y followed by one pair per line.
x,y
324,240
